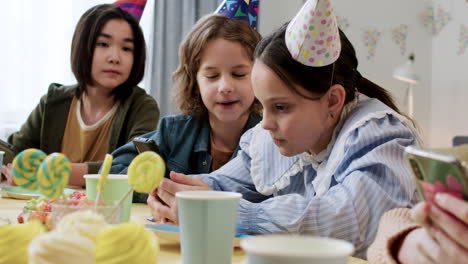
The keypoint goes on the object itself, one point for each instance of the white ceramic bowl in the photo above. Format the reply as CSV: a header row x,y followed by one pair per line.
x,y
294,249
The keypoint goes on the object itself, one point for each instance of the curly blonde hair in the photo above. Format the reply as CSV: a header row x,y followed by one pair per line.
x,y
208,28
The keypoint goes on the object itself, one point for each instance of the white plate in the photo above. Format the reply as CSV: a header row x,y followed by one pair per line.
x,y
169,234
16,192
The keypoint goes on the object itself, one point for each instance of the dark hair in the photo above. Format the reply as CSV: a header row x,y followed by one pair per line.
x,y
84,42
208,28
272,51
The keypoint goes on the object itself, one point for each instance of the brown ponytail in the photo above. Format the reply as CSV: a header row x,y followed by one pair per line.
x,y
373,90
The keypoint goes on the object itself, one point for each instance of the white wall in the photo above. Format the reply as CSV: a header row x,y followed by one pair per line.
x,y
440,97
449,78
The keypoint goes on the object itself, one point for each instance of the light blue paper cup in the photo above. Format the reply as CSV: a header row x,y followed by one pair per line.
x,y
294,249
207,222
116,187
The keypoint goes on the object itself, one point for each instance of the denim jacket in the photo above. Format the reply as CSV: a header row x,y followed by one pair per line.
x,y
184,142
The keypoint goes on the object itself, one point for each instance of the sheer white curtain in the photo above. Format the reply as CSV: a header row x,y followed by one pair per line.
x,y
35,51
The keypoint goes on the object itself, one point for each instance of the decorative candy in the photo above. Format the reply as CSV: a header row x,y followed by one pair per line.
x,y
15,240
25,167
146,171
127,243
106,165
312,37
86,223
53,175
57,248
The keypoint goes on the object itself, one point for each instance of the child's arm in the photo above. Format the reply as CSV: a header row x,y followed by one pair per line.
x,y
77,173
394,227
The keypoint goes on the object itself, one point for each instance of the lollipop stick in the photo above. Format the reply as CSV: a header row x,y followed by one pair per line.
x,y
106,166
119,203
96,201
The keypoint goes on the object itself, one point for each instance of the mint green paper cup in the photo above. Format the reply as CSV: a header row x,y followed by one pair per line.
x,y
115,188
207,222
1,157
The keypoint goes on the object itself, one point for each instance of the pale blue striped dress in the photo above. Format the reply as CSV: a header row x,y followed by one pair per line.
x,y
342,192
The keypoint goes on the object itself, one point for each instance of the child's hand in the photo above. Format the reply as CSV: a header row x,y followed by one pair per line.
x,y
415,246
449,216
6,170
446,221
419,213
162,201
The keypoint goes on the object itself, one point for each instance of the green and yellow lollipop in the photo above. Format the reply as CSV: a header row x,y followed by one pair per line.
x,y
145,173
25,167
53,175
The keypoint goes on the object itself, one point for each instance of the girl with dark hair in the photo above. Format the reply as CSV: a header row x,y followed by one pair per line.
x,y
106,109
327,159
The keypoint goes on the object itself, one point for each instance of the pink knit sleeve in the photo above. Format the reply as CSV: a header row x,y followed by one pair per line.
x,y
394,225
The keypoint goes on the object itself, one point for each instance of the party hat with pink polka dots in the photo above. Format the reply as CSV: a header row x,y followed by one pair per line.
x,y
133,7
246,10
312,37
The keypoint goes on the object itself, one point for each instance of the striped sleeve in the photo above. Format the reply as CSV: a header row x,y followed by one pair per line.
x,y
371,179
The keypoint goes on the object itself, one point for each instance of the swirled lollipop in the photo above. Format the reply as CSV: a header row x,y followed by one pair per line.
x,y
25,167
146,171
53,175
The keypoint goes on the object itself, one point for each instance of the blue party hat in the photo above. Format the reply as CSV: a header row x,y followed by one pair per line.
x,y
246,10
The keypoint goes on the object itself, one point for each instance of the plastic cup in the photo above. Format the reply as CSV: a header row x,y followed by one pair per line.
x,y
115,188
207,225
294,249
110,210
